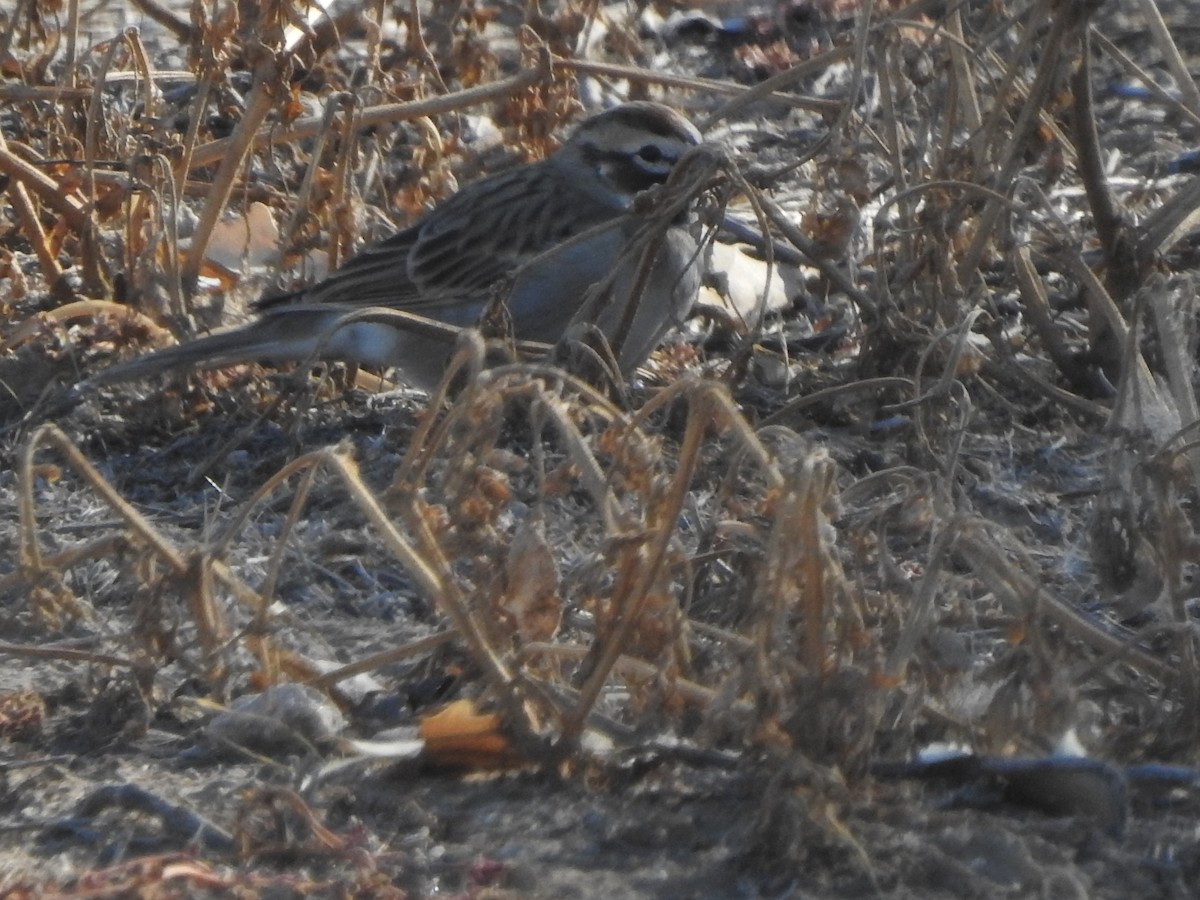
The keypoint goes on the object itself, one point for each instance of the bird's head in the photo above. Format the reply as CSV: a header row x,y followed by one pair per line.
x,y
633,146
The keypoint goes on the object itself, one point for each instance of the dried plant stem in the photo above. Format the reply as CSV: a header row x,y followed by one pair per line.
x,y
964,83
1175,220
275,566
212,624
726,416
341,242
708,86
67,654
79,309
32,227
426,565
891,138
994,124
195,119
419,647
1049,71
72,209
30,557
836,277
300,211
72,29
772,87
797,557
1147,80
1120,263
871,386
145,73
183,32
168,231
258,105
1037,308
696,694
108,545
22,93
215,151
1089,409
195,570
1168,306
920,611
1171,55
590,471
423,560
641,570
1105,310
1015,586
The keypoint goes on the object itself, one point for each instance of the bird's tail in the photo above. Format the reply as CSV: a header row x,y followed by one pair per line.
x,y
250,343
374,337
225,348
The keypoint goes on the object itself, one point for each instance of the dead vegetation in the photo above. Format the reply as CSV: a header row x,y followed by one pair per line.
x,y
947,496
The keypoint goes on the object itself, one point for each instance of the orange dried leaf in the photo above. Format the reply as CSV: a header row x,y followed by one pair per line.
x,y
48,471
223,279
459,735
885,681
832,231
1018,631
494,485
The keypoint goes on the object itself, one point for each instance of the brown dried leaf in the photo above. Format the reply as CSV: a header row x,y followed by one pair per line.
x,y
532,595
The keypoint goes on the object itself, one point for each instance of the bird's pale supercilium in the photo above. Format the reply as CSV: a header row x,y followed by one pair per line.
x,y
551,229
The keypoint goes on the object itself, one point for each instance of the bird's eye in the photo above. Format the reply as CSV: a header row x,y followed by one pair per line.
x,y
651,153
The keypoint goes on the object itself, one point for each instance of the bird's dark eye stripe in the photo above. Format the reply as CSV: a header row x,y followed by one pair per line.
x,y
651,153
648,153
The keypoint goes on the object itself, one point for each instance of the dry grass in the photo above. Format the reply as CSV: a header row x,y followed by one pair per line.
x,y
745,563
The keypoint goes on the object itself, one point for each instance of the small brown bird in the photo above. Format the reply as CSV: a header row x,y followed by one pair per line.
x,y
551,229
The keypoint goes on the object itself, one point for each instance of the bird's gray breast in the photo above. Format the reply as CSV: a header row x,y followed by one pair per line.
x,y
553,290
549,290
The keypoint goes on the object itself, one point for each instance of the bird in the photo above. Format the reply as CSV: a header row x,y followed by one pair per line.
x,y
551,233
